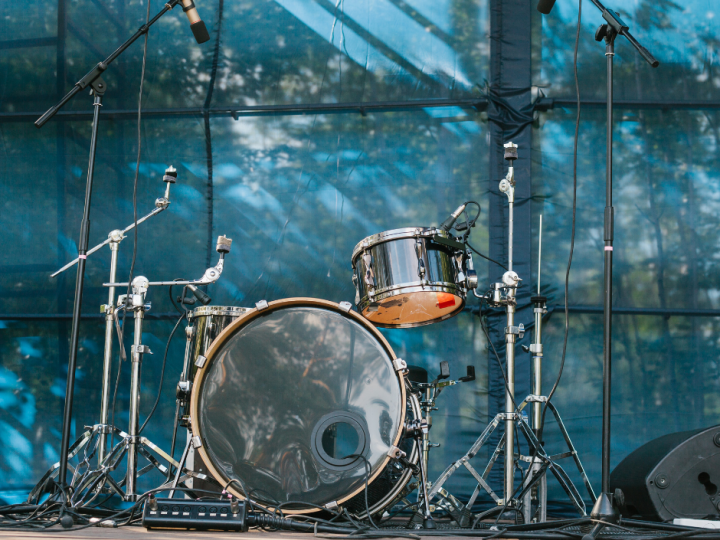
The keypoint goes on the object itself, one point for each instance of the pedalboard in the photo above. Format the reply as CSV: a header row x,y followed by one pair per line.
x,y
201,515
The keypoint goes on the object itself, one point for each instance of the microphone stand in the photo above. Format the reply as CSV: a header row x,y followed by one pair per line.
x,y
97,85
605,508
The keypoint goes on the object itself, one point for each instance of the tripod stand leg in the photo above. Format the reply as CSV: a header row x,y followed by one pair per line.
x,y
178,473
474,449
72,452
575,456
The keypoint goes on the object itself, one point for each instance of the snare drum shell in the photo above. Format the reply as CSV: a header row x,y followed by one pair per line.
x,y
207,324
400,297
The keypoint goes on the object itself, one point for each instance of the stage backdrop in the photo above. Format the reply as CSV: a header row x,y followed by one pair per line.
x,y
304,126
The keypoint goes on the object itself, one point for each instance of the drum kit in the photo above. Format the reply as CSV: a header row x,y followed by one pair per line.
x,y
301,404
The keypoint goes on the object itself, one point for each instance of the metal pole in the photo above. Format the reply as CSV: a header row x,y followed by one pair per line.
x,y
137,354
510,356
116,238
509,400
607,308
98,92
537,350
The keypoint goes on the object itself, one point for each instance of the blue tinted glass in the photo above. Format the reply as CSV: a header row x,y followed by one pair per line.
x,y
681,35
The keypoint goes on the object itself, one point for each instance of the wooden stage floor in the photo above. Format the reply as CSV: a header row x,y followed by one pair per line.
x,y
140,533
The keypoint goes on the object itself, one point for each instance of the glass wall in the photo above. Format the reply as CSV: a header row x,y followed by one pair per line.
x,y
304,126
295,192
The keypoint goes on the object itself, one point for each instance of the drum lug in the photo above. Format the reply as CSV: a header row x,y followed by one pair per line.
x,y
333,505
421,260
395,453
261,305
369,273
400,365
345,306
189,332
200,362
183,390
357,289
458,260
196,442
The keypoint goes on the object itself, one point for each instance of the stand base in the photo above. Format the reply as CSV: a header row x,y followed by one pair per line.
x,y
605,511
542,461
89,483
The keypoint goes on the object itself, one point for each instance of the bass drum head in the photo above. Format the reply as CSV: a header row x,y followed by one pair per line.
x,y
294,400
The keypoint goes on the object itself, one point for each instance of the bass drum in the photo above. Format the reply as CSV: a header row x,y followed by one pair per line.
x,y
294,399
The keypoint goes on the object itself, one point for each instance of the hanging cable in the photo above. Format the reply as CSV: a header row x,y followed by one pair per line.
x,y
572,233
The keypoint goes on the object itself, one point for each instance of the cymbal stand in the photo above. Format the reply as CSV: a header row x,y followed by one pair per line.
x,y
503,294
87,483
538,472
113,241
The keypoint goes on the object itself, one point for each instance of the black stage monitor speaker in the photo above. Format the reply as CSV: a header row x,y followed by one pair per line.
x,y
674,476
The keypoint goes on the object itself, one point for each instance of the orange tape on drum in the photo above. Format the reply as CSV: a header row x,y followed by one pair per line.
x,y
445,300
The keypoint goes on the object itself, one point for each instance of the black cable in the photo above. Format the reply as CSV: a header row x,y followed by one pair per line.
x,y
162,373
117,378
172,300
135,217
368,470
572,234
485,256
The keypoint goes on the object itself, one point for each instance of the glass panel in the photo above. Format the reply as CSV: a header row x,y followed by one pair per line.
x,y
283,52
33,370
666,200
664,380
681,35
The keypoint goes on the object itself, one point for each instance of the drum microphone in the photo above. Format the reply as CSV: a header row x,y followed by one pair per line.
x,y
545,6
203,298
450,221
196,23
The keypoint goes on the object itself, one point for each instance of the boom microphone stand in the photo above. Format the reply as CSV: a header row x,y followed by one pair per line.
x,y
604,509
94,81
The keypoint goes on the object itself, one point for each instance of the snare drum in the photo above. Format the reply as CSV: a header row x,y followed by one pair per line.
x,y
409,277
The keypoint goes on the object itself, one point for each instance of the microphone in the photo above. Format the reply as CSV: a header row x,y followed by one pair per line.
x,y
203,298
449,222
545,6
196,23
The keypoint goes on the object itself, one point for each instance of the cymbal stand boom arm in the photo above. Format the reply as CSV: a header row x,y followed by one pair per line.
x,y
113,240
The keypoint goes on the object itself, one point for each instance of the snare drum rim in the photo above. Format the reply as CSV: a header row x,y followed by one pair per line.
x,y
396,234
228,332
223,311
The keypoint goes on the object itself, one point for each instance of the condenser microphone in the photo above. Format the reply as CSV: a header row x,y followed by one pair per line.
x,y
545,6
196,23
450,221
